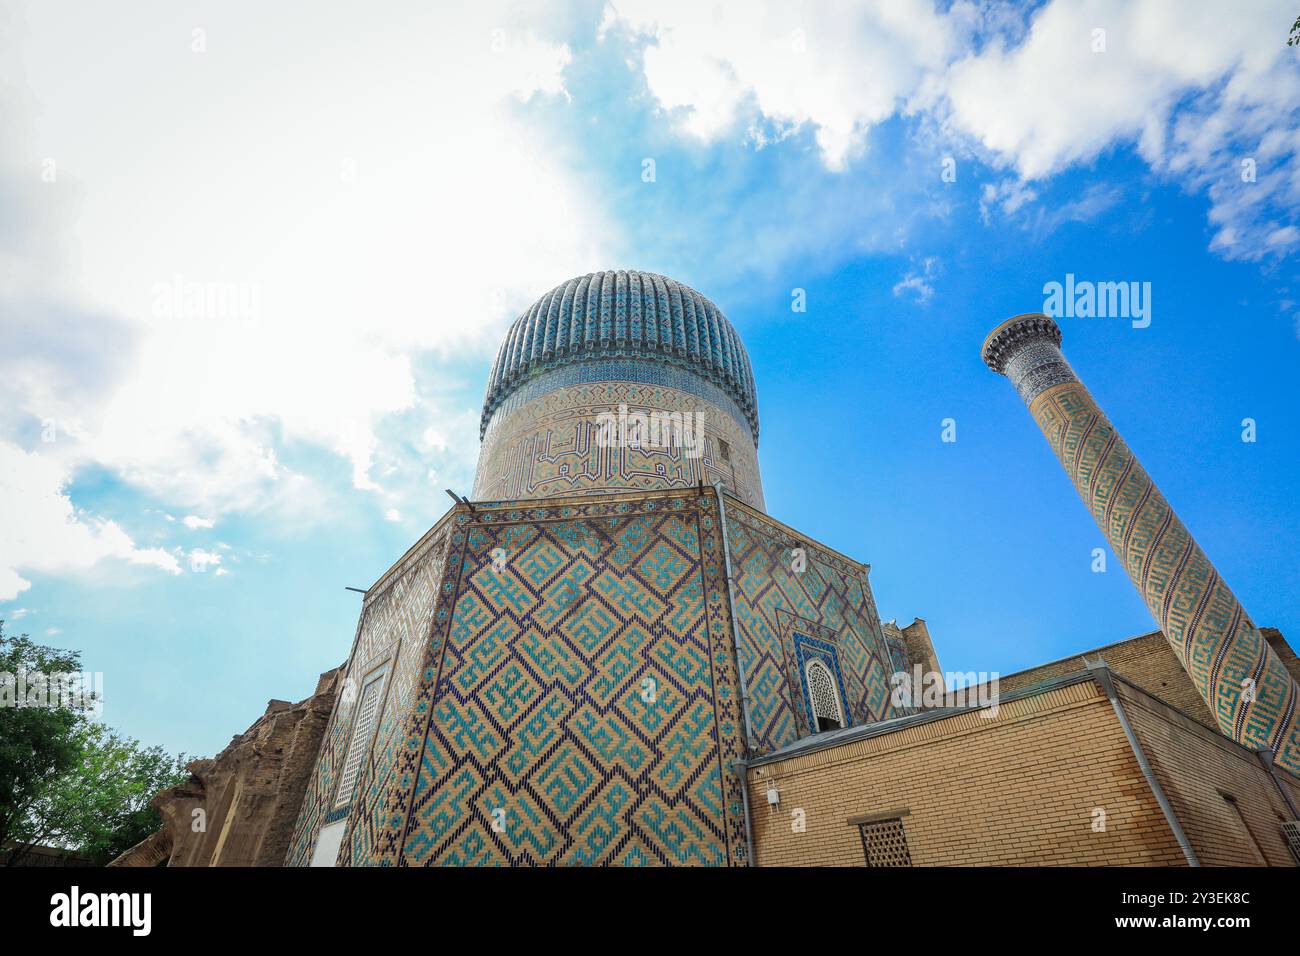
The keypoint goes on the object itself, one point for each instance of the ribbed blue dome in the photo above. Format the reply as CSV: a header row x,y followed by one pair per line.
x,y
623,314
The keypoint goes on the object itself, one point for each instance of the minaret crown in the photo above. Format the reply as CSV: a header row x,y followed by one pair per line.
x,y
1013,334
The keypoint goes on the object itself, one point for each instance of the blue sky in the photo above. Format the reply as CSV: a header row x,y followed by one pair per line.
x,y
382,192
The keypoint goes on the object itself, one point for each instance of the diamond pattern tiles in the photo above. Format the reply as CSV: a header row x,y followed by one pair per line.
x,y
395,623
775,597
578,703
1249,690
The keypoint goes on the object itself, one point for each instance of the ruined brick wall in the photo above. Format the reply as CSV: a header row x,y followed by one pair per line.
x,y
920,648
1147,660
238,808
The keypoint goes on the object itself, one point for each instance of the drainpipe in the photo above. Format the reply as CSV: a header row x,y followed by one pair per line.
x,y
1266,758
1101,674
743,763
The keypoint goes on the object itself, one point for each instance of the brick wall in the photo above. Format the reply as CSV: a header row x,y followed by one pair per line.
x,y
1018,789
1146,660
1023,788
1197,768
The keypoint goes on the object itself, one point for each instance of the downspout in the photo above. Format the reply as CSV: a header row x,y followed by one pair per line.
x,y
1266,758
743,763
1101,674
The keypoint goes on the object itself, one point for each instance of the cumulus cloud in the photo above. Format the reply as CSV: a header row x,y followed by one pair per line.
x,y
839,67
269,280
1195,88
47,534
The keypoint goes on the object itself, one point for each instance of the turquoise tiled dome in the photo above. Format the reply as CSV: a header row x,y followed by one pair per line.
x,y
623,314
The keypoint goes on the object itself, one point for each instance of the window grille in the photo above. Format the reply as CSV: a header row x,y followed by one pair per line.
x,y
884,843
825,699
1291,833
363,727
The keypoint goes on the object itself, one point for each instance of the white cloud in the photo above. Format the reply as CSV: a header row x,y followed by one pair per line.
x,y
46,534
1009,195
297,242
1194,87
18,613
917,283
200,560
1017,202
392,514
839,67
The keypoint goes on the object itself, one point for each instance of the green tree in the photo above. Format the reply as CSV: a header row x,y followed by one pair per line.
x,y
66,780
100,806
38,745
1294,38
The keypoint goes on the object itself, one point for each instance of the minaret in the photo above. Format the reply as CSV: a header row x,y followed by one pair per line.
x,y
1249,691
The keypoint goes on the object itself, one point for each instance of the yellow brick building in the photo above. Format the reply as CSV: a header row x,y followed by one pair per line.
x,y
1076,766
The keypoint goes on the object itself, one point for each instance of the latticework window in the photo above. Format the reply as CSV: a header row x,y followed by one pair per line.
x,y
363,727
825,699
1291,833
884,842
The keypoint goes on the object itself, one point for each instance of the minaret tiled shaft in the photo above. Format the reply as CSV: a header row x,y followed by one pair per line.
x,y
1215,639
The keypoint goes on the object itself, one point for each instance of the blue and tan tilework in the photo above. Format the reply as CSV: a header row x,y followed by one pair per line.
x,y
1213,636
530,738
620,315
394,629
803,642
829,599
547,446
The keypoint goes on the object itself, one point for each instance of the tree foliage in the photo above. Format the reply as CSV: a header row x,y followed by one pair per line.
x,y
67,780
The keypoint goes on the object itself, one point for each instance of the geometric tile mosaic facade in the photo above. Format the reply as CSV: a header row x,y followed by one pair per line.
x,y
791,594
577,699
552,675
392,635
564,686
1252,696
